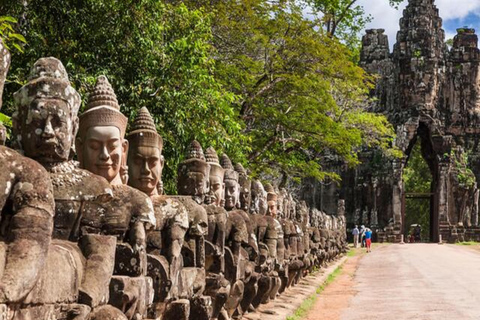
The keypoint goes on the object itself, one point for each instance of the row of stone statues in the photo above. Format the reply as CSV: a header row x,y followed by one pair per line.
x,y
98,239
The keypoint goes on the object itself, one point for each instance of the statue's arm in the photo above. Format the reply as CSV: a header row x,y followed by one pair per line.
x,y
29,234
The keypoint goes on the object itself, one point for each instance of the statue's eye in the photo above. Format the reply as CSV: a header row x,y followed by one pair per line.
x,y
112,145
152,162
94,145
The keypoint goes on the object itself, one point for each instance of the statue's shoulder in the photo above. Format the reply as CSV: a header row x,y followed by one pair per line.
x,y
139,204
25,179
73,183
170,210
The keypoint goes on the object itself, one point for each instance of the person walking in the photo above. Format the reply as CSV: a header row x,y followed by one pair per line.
x,y
355,233
368,239
362,236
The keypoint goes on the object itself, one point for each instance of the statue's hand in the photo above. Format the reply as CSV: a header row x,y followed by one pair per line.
x,y
138,237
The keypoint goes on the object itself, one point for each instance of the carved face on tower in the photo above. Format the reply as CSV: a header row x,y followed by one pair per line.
x,y
217,173
100,143
231,183
259,198
145,160
245,185
193,174
271,200
45,122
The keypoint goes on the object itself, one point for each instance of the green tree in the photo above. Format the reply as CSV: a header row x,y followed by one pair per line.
x,y
302,99
10,38
155,54
343,19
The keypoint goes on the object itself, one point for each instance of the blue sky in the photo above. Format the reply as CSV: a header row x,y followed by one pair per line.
x,y
455,14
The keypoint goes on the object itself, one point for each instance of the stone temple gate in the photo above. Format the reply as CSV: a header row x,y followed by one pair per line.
x,y
430,92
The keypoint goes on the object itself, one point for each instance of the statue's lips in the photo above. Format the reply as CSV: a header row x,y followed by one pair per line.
x,y
146,179
48,142
103,166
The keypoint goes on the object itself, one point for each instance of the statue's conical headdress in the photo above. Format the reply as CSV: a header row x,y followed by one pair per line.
x,y
48,79
194,161
102,109
144,133
215,167
243,180
230,173
271,194
240,169
257,186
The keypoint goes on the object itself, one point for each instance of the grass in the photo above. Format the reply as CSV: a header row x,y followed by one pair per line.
x,y
308,303
468,243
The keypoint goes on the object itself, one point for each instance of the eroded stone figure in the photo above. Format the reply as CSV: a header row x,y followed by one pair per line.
x,y
44,127
26,220
102,150
193,182
166,239
217,287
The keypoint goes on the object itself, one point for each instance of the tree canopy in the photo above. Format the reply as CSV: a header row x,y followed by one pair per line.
x,y
253,78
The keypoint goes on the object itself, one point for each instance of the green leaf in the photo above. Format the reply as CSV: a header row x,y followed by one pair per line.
x,y
18,37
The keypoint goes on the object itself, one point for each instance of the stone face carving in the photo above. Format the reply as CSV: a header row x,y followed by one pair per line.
x,y
44,126
77,243
102,150
165,241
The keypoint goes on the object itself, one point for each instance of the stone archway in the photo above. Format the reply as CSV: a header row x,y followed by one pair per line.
x,y
423,136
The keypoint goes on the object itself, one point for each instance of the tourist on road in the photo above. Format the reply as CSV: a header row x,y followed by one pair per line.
x,y
355,233
368,239
362,236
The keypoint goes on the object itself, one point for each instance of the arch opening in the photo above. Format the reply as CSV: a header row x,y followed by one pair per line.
x,y
419,178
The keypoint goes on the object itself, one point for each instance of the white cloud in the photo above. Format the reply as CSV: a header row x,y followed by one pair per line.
x,y
387,18
457,9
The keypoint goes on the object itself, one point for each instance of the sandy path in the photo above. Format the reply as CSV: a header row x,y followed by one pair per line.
x,y
337,295
416,281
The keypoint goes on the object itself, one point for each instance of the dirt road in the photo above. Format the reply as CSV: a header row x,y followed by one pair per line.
x,y
416,281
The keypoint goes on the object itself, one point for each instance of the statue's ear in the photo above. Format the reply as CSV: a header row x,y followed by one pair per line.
x,y
79,149
162,161
73,147
125,149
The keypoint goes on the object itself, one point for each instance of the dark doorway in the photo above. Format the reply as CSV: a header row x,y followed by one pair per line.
x,y
418,197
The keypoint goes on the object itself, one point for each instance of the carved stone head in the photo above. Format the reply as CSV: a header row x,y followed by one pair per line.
x,y
302,215
216,193
259,198
45,122
197,219
231,183
101,146
193,174
145,160
245,185
271,200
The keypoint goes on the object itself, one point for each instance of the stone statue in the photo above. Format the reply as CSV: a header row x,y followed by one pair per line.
x,y
102,150
165,241
217,286
245,184
44,126
259,198
193,181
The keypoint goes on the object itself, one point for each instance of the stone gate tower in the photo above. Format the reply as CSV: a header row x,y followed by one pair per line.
x,y
432,93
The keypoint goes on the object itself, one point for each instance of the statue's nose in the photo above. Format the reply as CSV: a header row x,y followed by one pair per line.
x,y
48,131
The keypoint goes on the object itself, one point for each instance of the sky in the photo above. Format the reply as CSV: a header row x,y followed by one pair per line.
x,y
455,14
